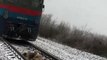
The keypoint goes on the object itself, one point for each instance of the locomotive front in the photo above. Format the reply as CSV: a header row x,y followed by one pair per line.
x,y
20,19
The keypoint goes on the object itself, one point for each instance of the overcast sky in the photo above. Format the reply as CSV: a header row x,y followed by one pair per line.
x,y
92,13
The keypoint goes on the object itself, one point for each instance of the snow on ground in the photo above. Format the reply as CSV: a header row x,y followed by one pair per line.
x,y
7,54
2,53
65,52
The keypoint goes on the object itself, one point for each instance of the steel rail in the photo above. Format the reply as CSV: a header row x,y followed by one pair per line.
x,y
43,52
15,52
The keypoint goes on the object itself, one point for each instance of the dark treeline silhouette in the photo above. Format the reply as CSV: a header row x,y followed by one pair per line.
x,y
75,37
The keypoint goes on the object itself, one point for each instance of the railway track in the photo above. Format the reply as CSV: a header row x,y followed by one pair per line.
x,y
9,52
20,47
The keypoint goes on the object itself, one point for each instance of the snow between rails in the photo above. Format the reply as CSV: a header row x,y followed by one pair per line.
x,y
65,52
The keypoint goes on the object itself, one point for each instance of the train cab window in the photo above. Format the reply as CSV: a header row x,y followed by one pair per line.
x,y
35,4
30,4
24,2
1,1
11,1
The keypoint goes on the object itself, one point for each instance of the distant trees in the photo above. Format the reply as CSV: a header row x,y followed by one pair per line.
x,y
75,37
49,28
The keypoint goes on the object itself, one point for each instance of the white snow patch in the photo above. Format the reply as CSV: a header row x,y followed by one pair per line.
x,y
7,54
65,52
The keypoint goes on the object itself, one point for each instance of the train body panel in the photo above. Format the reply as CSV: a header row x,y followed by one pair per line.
x,y
19,21
20,18
2,26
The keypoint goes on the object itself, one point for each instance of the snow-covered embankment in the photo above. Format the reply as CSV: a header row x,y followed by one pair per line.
x,y
65,52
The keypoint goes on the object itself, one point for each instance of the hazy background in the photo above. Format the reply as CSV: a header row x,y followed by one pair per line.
x,y
92,13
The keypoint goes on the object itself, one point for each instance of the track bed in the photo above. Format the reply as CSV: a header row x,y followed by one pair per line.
x,y
26,47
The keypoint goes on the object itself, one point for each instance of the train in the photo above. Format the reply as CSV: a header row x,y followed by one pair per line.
x,y
20,19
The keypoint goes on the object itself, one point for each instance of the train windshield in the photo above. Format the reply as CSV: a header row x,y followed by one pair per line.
x,y
31,4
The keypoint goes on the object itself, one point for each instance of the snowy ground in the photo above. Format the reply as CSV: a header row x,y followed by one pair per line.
x,y
61,51
7,54
65,52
